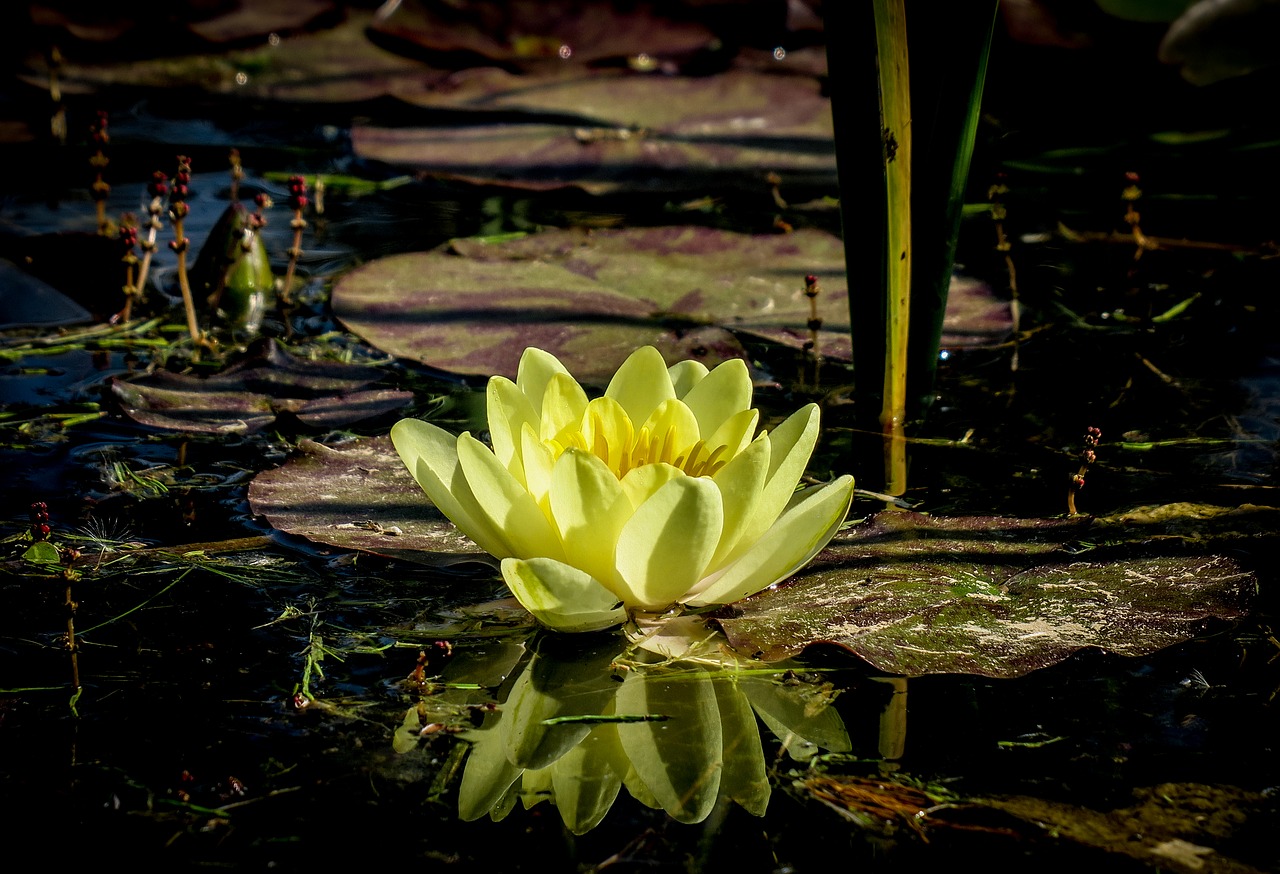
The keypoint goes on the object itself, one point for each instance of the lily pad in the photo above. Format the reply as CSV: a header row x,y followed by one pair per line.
x,y
597,128
471,307
911,594
359,497
248,397
592,299
997,597
524,31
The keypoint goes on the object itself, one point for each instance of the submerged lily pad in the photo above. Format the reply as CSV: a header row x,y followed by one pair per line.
x,y
248,397
997,597
359,497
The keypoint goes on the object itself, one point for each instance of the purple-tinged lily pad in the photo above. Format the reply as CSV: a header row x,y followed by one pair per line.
x,y
599,128
359,497
250,396
911,594
592,299
337,65
532,31
997,597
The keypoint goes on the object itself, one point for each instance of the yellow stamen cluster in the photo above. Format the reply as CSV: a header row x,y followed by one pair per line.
x,y
630,449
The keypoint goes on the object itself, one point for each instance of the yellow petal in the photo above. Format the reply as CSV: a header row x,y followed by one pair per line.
x,y
641,383
791,444
506,503
797,536
640,483
741,484
667,543
535,370
563,403
673,429
686,374
589,508
431,455
607,431
735,432
562,597
508,411
725,391
538,462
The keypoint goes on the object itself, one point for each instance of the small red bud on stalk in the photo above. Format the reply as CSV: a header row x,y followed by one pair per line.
x,y
811,291
1130,195
178,211
99,161
129,238
297,203
1088,455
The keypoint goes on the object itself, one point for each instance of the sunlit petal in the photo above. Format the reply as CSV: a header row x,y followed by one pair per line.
x,y
640,484
797,536
667,543
506,503
431,455
791,444
509,411
590,508
641,383
563,403
725,391
535,370
686,374
562,597
741,484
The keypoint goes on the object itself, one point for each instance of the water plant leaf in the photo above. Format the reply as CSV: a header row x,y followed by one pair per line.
x,y
522,32
359,497
471,307
249,396
592,299
992,596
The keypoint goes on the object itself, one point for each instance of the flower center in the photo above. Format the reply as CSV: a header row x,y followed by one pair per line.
x,y
623,450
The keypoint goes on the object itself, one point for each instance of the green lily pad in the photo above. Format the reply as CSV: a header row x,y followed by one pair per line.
x,y
911,594
997,597
591,298
250,396
531,31
359,497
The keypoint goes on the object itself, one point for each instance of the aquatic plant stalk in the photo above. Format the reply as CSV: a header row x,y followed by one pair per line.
x,y
895,124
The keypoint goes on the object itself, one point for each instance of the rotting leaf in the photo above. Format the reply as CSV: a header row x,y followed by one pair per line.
x,y
997,597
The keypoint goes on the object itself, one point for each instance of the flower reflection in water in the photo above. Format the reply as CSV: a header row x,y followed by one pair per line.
x,y
579,720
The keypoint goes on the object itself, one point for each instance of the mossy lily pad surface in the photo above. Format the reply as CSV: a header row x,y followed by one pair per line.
x,y
912,594
998,597
359,497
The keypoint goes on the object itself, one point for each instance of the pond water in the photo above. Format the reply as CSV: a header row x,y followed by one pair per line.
x,y
255,699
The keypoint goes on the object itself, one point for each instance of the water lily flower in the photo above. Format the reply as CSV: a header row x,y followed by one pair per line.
x,y
657,493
